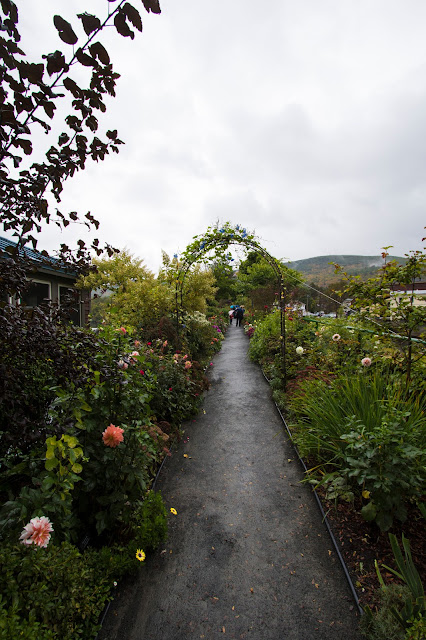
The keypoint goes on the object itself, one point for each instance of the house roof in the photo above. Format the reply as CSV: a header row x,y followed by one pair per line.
x,y
40,260
416,286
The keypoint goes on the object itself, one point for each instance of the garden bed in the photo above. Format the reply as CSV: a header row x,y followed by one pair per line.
x,y
361,543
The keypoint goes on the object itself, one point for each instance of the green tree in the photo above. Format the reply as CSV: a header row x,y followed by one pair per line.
x,y
134,296
198,284
259,280
225,279
390,300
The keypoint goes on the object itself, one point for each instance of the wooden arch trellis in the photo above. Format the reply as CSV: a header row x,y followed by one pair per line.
x,y
218,239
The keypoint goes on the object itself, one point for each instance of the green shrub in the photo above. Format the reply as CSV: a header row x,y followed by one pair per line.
x,y
381,625
416,630
385,465
202,337
148,525
13,626
57,588
266,339
179,386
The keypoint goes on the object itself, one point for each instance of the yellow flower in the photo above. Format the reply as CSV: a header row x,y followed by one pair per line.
x,y
173,511
365,494
140,555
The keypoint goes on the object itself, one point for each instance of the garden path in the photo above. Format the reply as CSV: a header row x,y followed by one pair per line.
x,y
248,555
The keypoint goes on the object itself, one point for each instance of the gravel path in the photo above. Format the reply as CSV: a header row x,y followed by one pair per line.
x,y
248,555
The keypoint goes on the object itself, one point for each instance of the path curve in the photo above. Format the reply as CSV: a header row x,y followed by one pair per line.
x,y
248,556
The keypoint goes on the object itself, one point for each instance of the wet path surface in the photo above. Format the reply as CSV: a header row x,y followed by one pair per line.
x,y
248,555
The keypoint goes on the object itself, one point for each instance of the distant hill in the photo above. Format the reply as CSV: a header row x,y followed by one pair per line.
x,y
320,272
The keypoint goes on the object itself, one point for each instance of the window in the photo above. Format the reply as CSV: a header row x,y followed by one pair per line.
x,y
36,294
69,300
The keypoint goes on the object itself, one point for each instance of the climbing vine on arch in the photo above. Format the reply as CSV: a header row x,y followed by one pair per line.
x,y
214,244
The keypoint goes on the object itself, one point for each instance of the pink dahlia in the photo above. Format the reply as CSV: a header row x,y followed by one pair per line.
x,y
366,362
188,364
112,436
37,531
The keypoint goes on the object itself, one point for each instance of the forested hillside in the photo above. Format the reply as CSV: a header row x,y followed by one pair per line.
x,y
320,270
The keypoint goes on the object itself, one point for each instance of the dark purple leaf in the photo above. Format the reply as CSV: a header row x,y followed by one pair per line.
x,y
84,59
133,16
98,51
12,47
122,26
65,30
55,62
63,139
23,103
92,123
32,72
73,88
152,5
90,23
25,145
49,108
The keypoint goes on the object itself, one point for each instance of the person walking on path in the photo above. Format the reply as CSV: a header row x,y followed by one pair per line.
x,y
239,316
231,314
248,556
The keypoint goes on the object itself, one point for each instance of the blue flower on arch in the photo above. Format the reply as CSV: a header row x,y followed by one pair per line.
x,y
202,245
175,255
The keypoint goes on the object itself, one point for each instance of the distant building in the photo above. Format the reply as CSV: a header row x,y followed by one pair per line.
x,y
49,282
402,292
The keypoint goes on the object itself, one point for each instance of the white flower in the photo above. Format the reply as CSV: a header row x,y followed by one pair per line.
x,y
299,350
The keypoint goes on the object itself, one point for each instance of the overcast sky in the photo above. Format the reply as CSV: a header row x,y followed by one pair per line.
x,y
304,121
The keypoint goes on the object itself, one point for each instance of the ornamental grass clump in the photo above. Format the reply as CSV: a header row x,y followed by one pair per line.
x,y
368,431
319,410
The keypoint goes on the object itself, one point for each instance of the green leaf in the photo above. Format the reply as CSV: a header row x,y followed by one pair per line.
x,y
50,453
77,468
369,512
47,483
51,464
71,441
